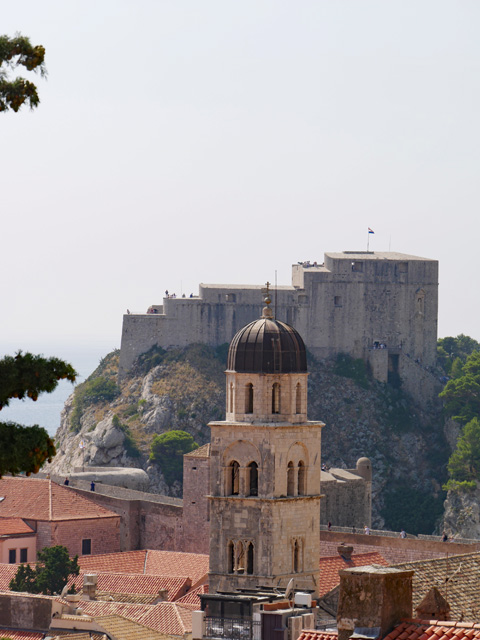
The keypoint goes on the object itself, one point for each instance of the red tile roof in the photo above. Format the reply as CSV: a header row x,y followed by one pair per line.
x,y
20,635
138,584
330,566
312,634
173,564
192,597
165,617
433,629
36,499
7,572
14,526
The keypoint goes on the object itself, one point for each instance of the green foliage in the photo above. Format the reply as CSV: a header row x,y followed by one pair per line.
x,y
462,395
464,463
398,412
355,369
14,52
129,443
466,486
30,375
403,504
26,448
92,391
50,574
167,450
448,349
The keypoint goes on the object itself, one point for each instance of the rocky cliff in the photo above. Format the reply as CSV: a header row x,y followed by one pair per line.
x,y
185,389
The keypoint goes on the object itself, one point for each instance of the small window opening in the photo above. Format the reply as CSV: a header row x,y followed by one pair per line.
x,y
249,398
23,555
230,557
12,556
295,557
253,479
357,267
298,398
276,398
231,398
234,478
301,478
337,301
86,547
250,559
290,480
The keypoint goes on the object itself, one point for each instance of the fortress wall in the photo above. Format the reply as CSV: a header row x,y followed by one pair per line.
x,y
346,504
417,381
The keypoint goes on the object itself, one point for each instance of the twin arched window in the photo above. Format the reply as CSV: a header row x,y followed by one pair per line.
x,y
298,474
251,480
240,557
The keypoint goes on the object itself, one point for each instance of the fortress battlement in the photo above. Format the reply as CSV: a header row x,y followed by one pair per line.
x,y
379,306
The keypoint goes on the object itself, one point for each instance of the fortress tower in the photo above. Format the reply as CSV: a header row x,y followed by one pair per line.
x,y
265,466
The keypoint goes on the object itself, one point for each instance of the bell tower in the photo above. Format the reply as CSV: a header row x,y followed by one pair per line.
x,y
265,465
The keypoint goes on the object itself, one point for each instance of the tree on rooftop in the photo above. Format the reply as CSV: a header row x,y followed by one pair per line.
x,y
14,92
50,574
26,448
167,450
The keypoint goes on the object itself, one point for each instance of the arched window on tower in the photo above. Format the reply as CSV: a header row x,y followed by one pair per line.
x,y
250,558
301,478
290,479
298,398
230,403
276,398
230,557
240,557
253,479
234,478
249,398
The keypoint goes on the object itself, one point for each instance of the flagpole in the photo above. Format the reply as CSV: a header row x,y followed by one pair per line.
x,y
368,240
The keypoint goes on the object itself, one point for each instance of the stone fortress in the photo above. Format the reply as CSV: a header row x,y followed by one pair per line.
x,y
379,306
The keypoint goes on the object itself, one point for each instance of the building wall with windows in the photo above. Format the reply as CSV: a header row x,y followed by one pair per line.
x,y
15,549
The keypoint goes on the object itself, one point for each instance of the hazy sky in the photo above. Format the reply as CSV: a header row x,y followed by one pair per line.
x,y
180,142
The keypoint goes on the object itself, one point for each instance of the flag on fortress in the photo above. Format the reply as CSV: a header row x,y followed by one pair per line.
x,y
370,230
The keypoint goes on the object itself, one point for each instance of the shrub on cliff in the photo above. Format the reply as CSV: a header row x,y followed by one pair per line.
x,y
355,369
462,395
92,391
167,450
464,464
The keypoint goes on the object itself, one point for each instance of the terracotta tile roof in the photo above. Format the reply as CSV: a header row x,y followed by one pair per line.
x,y
150,585
169,618
457,579
330,566
193,596
166,617
20,635
37,499
173,564
312,634
434,629
201,452
121,627
14,526
7,572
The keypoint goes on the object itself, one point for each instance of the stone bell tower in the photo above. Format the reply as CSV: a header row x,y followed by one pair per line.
x,y
265,465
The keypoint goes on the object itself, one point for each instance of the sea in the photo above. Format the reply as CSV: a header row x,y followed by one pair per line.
x,y
45,412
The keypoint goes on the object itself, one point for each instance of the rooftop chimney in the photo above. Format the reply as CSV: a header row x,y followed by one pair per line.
x,y
345,551
373,597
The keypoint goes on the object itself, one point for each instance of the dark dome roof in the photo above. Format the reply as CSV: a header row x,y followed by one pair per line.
x,y
267,346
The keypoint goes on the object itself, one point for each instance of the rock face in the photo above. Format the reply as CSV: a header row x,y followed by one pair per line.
x,y
462,514
185,389
135,479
